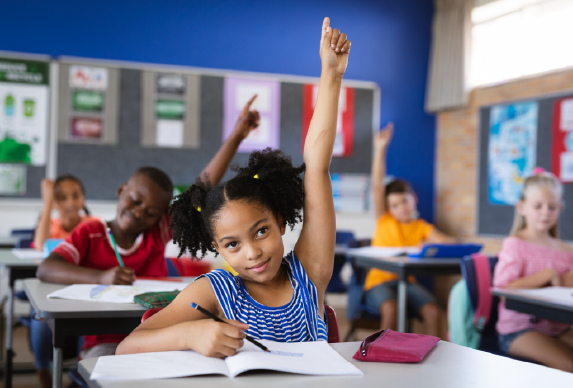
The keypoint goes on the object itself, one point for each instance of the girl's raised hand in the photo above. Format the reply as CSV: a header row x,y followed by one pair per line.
x,y
47,189
383,137
334,49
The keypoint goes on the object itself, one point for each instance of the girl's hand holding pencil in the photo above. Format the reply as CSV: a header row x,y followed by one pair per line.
x,y
118,275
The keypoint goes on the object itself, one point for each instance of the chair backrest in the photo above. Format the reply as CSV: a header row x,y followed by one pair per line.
x,y
22,233
477,271
24,243
344,236
149,313
333,333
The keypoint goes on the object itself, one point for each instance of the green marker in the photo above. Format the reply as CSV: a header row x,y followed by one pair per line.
x,y
115,248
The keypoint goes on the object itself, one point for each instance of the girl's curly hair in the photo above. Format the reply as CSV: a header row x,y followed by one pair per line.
x,y
278,188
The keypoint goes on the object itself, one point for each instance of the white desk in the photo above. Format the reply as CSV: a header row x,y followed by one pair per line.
x,y
538,306
447,366
404,267
76,318
16,269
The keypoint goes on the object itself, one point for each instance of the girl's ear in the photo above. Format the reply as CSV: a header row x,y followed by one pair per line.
x,y
120,189
282,225
519,207
216,247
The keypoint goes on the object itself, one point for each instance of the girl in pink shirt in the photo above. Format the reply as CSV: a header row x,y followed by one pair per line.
x,y
534,257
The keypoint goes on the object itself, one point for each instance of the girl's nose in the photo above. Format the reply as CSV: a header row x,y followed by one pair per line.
x,y
253,252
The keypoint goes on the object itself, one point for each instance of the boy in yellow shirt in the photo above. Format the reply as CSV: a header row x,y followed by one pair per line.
x,y
397,226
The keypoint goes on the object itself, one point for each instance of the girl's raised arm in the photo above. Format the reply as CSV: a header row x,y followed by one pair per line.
x,y
315,247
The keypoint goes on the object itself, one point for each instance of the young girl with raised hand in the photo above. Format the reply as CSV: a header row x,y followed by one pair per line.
x,y
534,257
272,297
65,194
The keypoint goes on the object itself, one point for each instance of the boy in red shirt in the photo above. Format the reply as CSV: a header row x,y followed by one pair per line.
x,y
140,229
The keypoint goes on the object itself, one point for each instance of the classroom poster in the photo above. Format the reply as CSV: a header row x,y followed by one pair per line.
x,y
12,179
238,91
512,150
23,111
344,141
562,143
88,86
351,192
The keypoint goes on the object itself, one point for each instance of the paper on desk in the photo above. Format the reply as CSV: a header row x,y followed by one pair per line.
x,y
383,251
318,358
114,293
559,294
28,254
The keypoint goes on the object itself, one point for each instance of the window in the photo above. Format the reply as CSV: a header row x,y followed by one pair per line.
x,y
514,38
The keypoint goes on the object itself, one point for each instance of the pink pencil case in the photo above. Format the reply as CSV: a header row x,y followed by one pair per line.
x,y
392,346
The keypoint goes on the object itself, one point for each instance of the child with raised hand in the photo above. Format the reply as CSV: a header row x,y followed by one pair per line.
x,y
140,229
66,194
272,297
533,257
397,225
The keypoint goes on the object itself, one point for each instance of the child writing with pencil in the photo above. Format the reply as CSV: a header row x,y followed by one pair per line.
x,y
272,297
133,244
533,256
397,225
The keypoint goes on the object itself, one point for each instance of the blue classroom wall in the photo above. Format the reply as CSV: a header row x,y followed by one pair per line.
x,y
391,40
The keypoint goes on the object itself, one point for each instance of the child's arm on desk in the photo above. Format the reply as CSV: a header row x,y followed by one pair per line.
x,y
437,237
247,121
55,269
181,327
381,142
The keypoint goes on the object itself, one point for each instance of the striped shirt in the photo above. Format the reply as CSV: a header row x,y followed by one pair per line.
x,y
520,258
296,321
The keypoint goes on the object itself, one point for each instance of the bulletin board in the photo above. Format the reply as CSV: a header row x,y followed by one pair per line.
x,y
130,139
497,219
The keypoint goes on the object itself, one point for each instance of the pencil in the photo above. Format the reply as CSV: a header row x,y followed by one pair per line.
x,y
115,248
249,338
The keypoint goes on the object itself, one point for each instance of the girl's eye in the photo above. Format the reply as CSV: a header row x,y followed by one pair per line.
x,y
231,245
262,231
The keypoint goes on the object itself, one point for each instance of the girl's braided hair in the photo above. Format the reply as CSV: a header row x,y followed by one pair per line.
x,y
277,187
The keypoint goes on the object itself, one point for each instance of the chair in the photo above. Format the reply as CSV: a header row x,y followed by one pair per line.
x,y
333,333
335,284
25,237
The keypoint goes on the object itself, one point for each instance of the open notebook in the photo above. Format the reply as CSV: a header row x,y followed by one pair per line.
x,y
114,293
310,358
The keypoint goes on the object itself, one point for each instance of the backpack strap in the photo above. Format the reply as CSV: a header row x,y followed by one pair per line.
x,y
483,281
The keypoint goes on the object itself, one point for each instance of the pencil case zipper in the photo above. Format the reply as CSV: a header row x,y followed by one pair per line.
x,y
366,343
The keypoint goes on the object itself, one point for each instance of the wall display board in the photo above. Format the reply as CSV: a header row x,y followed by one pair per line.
x,y
24,93
238,91
171,106
344,142
562,146
87,103
351,192
519,136
12,179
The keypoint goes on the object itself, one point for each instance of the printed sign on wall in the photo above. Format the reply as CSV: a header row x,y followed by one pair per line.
x,y
23,111
344,142
562,144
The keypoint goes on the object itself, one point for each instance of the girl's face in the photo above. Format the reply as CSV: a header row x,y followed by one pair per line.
x,y
540,208
402,206
249,238
69,198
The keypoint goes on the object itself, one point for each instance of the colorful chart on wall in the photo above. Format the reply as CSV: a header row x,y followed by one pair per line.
x,y
12,179
562,143
512,150
344,141
88,86
23,111
238,91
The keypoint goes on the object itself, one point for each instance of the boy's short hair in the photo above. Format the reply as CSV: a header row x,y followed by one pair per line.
x,y
159,177
398,186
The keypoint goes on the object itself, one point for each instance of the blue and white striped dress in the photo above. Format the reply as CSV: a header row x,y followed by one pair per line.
x,y
297,321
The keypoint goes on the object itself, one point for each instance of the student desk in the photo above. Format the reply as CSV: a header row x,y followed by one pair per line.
x,y
446,366
16,269
536,305
405,266
76,318
8,241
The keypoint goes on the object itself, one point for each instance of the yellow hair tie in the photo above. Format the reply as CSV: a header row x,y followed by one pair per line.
x,y
256,176
198,208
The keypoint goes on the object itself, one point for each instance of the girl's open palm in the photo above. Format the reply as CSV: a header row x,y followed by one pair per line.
x,y
334,48
384,136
